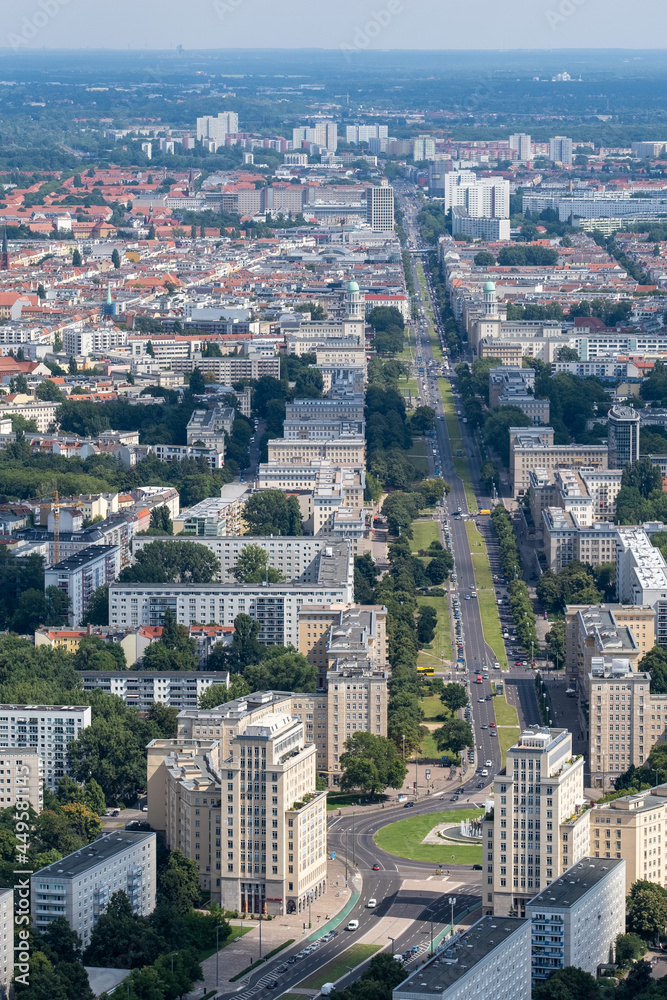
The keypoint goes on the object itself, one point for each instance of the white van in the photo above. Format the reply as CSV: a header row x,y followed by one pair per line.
x,y
353,925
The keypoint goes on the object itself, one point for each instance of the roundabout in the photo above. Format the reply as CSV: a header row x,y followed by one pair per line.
x,y
418,838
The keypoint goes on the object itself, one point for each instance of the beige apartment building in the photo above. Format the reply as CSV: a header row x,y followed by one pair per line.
x,y
327,632
534,448
251,817
539,826
613,630
344,452
634,828
21,778
565,540
625,719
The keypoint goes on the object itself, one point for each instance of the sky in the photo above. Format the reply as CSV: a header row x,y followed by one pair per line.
x,y
359,24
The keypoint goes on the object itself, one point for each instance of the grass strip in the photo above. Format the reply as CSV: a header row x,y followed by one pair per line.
x,y
340,966
507,737
486,597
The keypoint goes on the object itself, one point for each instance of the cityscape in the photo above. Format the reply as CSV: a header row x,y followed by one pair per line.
x,y
333,502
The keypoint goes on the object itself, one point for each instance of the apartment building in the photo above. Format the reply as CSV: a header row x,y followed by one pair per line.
x,y
533,448
46,729
380,208
593,630
275,606
43,413
21,778
589,494
8,968
641,575
207,428
79,575
143,688
79,887
575,921
560,150
490,959
482,197
228,370
564,540
634,828
480,228
300,559
257,858
539,826
133,641
293,478
625,718
213,457
215,516
346,452
327,633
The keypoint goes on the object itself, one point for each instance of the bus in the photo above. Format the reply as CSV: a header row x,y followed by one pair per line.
x,y
426,671
485,511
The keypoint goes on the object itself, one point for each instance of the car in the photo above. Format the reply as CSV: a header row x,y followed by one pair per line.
x,y
488,763
353,925
485,773
302,953
376,868
484,725
453,798
493,725
408,805
480,784
372,903
273,985
414,949
493,732
283,967
292,959
481,699
517,663
477,868
467,597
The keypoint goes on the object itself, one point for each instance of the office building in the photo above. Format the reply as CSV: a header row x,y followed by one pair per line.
x,y
362,133
623,436
142,688
80,574
521,144
490,959
21,778
540,825
324,134
46,729
634,828
7,958
79,887
269,859
380,208
423,148
648,150
560,150
576,919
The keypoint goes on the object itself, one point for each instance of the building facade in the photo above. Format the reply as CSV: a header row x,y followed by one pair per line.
x,y
44,728
81,574
623,436
80,886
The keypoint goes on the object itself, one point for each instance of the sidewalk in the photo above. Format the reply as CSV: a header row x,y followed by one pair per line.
x,y
243,951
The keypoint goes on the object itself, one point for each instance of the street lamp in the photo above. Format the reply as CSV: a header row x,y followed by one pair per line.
x,y
452,903
429,910
403,738
310,899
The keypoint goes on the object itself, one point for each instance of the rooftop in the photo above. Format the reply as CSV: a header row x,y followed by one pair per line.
x,y
575,883
94,854
459,957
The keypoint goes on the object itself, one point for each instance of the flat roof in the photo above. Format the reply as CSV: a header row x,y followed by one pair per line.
x,y
99,851
573,884
459,957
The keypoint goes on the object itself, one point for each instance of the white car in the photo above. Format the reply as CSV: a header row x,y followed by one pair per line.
x,y
371,904
488,763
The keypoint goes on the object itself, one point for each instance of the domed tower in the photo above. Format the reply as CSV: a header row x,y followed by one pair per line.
x,y
490,303
354,303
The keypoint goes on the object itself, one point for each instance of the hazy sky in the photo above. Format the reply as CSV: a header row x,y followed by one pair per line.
x,y
403,24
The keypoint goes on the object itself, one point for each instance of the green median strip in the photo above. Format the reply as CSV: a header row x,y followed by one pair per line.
x,y
261,961
456,443
486,597
340,966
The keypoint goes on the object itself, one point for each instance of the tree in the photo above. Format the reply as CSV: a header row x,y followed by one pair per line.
x,y
439,568
48,390
271,512
172,562
252,566
41,292
454,696
174,650
555,642
569,983
218,694
179,887
286,672
245,648
122,940
484,259
426,623
422,419
655,663
629,947
371,763
432,490
115,258
97,612
166,717
365,578
77,260
37,608
647,909
94,653
62,944
454,736
568,354
161,522
72,366
150,350
197,382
